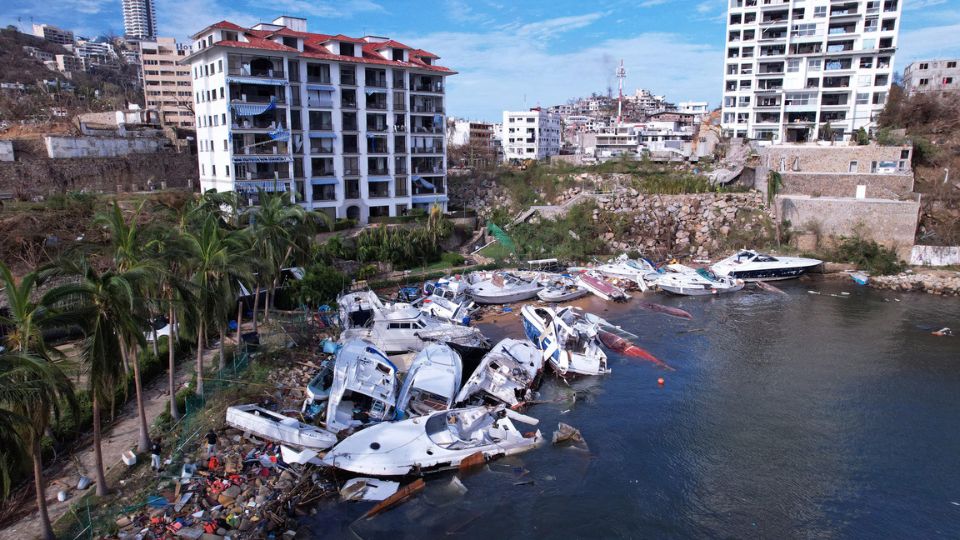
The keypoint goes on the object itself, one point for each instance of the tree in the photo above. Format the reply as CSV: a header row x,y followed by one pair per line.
x,y
25,318
104,304
774,185
126,243
32,391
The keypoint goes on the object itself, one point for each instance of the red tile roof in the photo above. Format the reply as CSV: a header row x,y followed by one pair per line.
x,y
313,46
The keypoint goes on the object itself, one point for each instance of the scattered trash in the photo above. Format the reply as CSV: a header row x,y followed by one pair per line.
x,y
943,332
861,278
666,310
660,381
62,495
83,483
566,433
400,496
129,458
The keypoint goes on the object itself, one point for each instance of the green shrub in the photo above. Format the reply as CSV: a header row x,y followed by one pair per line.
x,y
320,285
867,255
453,259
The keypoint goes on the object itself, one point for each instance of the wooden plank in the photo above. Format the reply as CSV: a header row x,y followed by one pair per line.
x,y
400,496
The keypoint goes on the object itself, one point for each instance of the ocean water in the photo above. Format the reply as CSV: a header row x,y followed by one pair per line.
x,y
798,416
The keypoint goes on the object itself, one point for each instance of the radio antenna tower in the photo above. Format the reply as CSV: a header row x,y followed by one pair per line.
x,y
621,75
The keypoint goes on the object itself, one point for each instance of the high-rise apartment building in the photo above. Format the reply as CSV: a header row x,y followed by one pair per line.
x,y
793,66
533,134
167,85
355,127
139,19
932,76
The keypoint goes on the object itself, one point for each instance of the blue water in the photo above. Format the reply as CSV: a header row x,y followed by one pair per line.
x,y
800,416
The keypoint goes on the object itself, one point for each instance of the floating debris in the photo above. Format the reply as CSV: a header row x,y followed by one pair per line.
x,y
399,497
762,285
368,489
566,433
666,310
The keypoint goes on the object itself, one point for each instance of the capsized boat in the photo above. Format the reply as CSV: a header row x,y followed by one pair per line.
x,y
447,303
435,442
639,271
686,281
594,283
502,288
364,388
399,328
750,265
567,339
620,344
505,375
277,427
432,381
562,289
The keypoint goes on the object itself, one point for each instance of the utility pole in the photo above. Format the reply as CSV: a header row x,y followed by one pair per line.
x,y
621,75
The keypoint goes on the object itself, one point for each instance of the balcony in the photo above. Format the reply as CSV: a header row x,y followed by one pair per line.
x,y
254,93
378,190
435,149
376,145
259,122
348,102
376,101
377,127
433,85
255,67
376,78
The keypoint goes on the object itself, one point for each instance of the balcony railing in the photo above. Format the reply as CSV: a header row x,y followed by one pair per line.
x,y
377,82
246,71
428,149
427,86
435,109
378,171
377,127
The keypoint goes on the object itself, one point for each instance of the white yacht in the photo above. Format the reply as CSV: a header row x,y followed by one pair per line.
x,y
399,328
364,388
431,383
567,339
277,427
750,265
683,280
501,288
562,289
439,441
639,271
505,375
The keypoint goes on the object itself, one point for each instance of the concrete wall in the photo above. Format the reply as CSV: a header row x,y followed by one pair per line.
x,y
6,150
136,172
814,158
935,255
879,186
87,147
890,223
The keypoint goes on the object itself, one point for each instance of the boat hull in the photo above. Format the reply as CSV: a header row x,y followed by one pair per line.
x,y
771,274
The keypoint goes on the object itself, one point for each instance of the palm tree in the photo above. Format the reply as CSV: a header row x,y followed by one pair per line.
x,y
127,244
25,318
105,305
218,262
32,391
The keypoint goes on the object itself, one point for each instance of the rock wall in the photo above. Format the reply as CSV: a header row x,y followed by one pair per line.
x,y
136,172
890,223
60,147
879,186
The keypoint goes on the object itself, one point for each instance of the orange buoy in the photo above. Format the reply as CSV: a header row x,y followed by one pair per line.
x,y
660,381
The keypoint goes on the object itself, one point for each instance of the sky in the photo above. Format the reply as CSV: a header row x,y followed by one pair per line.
x,y
513,54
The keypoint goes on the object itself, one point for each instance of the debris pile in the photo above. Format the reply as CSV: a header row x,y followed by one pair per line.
x,y
941,283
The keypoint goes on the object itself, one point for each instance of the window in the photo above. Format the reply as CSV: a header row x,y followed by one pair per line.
x,y
864,80
348,75
213,170
804,30
881,80
219,66
951,65
223,118
814,64
948,80
224,144
869,44
346,49
398,55
853,167
904,154
820,11
924,82
221,92
793,65
863,99
866,62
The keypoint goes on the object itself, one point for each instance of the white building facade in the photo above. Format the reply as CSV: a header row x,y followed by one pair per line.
x,y
353,127
932,76
139,19
793,66
533,134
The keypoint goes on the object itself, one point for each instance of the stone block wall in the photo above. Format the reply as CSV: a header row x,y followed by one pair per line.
x,y
6,151
59,147
888,222
814,158
879,186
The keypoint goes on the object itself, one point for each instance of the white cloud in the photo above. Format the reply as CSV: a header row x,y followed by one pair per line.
x,y
913,5
705,7
652,3
928,43
497,69
547,28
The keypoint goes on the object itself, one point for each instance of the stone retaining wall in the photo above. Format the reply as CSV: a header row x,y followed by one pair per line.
x,y
879,186
60,147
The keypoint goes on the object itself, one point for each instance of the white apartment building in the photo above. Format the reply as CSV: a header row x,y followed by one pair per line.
x,y
53,34
139,19
793,66
354,127
932,76
693,107
533,134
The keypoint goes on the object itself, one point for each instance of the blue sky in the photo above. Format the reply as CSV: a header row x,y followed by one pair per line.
x,y
514,54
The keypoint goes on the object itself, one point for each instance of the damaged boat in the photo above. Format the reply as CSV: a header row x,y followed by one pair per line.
x,y
505,375
567,339
750,265
431,383
562,289
447,302
685,281
439,441
639,271
399,328
364,388
277,427
502,288
594,282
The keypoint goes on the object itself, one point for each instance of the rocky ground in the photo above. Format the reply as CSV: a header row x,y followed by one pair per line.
x,y
939,282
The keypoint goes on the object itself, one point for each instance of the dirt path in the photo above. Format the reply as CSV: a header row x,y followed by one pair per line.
x,y
122,436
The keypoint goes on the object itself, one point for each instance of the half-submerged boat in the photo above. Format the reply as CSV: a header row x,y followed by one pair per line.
x,y
567,339
439,441
750,265
686,281
277,427
399,328
364,388
505,375
502,288
594,283
432,381
562,289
